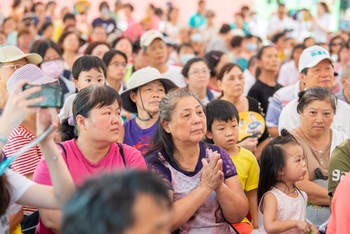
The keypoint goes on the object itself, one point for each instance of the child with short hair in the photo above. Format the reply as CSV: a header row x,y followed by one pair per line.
x,y
223,131
282,207
87,70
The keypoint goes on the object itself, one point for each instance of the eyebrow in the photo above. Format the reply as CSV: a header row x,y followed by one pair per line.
x,y
187,109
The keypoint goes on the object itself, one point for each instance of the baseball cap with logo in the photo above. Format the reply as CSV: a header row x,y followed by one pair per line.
x,y
140,78
312,55
148,37
12,53
31,73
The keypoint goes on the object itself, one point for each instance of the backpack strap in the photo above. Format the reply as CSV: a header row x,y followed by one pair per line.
x,y
121,151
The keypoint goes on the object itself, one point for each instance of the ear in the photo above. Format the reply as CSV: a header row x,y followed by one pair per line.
x,y
76,83
81,122
166,126
219,83
133,96
209,135
302,79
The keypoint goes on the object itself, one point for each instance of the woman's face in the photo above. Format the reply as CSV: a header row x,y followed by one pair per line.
x,y
344,55
71,43
320,9
116,68
198,76
188,122
336,45
148,96
100,50
269,59
232,83
124,46
48,33
174,14
103,124
317,118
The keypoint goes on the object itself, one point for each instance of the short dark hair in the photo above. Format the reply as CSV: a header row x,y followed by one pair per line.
x,y
105,204
45,26
225,28
95,96
49,3
42,47
68,16
277,36
220,110
86,63
281,5
236,41
304,71
213,58
252,61
188,65
93,45
107,57
244,8
136,47
128,5
316,94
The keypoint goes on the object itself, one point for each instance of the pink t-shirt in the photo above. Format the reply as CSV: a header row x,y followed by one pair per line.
x,y
81,168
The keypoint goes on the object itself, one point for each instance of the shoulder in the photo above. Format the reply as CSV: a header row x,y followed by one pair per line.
x,y
18,183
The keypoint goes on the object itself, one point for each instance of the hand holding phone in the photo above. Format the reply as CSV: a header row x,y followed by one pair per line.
x,y
51,92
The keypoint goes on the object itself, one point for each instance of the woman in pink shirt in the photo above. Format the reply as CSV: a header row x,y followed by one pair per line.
x,y
94,129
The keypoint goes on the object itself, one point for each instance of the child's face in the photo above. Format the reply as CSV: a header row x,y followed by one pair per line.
x,y
224,134
88,78
295,166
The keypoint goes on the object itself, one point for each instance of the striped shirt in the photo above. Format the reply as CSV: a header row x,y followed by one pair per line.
x,y
27,162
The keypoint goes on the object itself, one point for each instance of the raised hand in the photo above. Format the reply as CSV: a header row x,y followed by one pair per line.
x,y
212,175
18,104
44,118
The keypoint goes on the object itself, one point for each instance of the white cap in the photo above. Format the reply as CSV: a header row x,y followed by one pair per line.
x,y
312,55
148,37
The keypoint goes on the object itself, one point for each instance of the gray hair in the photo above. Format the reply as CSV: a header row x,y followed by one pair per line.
x,y
316,94
345,71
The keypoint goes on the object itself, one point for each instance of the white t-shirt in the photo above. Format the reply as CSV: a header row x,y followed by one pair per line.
x,y
327,21
249,81
19,184
276,24
67,109
174,73
289,118
288,74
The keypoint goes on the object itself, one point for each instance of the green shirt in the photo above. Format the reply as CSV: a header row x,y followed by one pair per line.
x,y
339,165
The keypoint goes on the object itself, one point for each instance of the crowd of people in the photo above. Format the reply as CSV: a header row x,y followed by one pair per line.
x,y
172,128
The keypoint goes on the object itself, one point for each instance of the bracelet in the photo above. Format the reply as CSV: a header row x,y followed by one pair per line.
x,y
3,140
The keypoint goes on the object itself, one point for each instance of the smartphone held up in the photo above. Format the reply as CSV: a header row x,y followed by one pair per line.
x,y
52,93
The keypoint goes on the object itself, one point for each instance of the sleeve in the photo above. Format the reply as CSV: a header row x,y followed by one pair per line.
x,y
273,112
42,173
157,167
254,93
19,185
26,163
253,177
228,167
134,158
339,166
287,119
282,78
191,22
67,108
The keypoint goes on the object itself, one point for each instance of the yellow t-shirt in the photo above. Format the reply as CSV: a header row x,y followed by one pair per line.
x,y
247,169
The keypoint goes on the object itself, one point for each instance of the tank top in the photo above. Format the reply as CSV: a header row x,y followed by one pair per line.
x,y
288,208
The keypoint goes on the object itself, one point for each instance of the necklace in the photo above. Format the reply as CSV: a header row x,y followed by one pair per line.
x,y
143,120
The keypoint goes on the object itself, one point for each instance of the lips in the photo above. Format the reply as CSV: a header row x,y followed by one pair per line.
x,y
197,130
116,130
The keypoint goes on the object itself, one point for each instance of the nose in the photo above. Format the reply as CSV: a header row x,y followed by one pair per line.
x,y
319,118
228,133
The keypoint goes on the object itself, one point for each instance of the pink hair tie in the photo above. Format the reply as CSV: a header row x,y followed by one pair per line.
x,y
71,121
215,57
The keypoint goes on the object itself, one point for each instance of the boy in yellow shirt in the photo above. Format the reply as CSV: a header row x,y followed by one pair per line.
x,y
223,131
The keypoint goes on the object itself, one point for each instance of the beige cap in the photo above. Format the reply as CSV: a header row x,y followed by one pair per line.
x,y
12,53
148,37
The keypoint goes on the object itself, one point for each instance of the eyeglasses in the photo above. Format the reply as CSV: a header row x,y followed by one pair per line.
x,y
339,44
197,73
15,66
52,60
119,64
